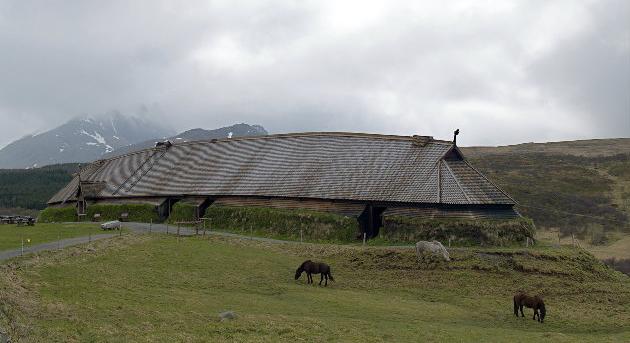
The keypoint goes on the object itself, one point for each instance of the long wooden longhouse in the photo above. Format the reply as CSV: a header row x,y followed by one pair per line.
x,y
363,175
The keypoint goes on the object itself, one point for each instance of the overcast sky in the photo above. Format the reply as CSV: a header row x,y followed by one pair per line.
x,y
503,72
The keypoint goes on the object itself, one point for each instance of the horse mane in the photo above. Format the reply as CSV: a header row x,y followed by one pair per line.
x,y
305,262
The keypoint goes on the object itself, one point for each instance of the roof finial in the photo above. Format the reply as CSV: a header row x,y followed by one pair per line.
x,y
455,136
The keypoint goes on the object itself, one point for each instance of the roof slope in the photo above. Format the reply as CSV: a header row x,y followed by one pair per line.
x,y
347,166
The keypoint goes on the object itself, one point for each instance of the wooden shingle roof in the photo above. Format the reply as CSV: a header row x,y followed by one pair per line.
x,y
346,166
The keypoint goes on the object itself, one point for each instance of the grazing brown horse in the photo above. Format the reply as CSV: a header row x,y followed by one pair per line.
x,y
535,302
310,268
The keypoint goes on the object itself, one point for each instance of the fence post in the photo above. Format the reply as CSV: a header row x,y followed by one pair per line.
x,y
572,239
150,225
558,237
167,228
364,235
90,238
178,225
301,236
22,252
449,242
58,240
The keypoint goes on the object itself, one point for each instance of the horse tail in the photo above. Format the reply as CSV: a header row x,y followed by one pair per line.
x,y
515,306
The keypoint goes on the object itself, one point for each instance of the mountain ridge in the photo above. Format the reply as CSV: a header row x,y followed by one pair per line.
x,y
89,138
81,139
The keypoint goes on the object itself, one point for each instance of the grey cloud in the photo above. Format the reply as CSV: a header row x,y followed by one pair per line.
x,y
289,68
590,73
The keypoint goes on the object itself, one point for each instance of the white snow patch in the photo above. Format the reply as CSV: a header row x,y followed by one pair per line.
x,y
100,139
61,149
116,137
230,134
111,120
97,136
178,138
91,143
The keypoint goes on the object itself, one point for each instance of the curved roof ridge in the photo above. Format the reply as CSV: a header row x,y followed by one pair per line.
x,y
280,135
323,165
314,134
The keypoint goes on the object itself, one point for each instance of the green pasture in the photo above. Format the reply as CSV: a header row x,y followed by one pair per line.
x,y
11,236
158,288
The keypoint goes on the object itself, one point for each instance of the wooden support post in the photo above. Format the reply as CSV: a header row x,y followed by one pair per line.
x,y
364,236
150,225
371,220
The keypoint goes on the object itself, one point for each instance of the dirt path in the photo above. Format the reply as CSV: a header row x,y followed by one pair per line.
x,y
144,228
7,254
184,231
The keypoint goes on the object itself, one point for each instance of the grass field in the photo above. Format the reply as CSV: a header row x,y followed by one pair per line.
x,y
11,235
157,288
619,247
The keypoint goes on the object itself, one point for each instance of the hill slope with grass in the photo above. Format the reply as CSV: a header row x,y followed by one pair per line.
x,y
555,181
161,288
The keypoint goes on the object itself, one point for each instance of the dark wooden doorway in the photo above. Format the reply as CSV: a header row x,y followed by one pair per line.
x,y
371,220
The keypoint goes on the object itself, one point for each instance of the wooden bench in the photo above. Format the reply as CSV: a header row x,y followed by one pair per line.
x,y
97,217
124,217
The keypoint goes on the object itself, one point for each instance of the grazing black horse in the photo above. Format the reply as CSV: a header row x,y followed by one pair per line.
x,y
535,302
310,268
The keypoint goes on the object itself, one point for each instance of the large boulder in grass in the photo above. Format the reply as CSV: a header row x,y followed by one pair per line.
x,y
431,248
227,315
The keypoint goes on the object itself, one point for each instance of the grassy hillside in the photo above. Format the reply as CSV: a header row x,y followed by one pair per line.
x,y
31,188
585,148
551,180
158,288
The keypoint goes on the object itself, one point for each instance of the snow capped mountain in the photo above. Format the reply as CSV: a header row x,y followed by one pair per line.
x,y
80,140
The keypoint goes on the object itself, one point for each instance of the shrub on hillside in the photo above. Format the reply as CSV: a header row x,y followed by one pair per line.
x,y
285,223
137,212
491,232
58,214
